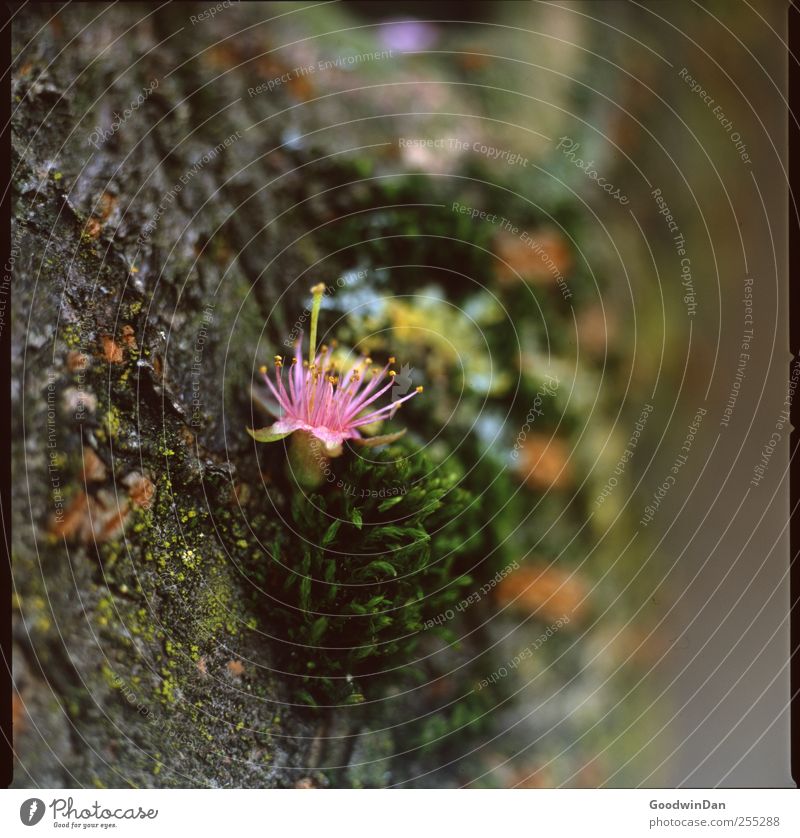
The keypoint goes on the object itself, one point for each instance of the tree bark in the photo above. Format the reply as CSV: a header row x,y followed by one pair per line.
x,y
139,301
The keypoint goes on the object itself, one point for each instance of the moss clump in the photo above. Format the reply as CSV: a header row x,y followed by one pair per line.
x,y
357,569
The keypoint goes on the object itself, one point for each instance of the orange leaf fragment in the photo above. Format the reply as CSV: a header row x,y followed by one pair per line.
x,y
549,592
112,351
544,463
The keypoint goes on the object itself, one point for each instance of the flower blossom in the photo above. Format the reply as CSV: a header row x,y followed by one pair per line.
x,y
316,398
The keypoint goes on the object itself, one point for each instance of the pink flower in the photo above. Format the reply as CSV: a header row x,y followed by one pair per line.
x,y
315,398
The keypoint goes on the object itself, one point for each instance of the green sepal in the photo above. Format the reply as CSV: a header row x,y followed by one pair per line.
x,y
267,435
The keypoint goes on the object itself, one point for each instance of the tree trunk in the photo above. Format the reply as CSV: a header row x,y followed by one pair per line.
x,y
136,661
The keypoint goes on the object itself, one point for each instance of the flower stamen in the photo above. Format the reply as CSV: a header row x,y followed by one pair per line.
x,y
324,402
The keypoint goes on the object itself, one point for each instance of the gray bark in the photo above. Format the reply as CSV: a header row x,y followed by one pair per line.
x,y
135,660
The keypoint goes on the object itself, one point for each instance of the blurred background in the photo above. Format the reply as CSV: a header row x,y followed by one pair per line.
x,y
566,221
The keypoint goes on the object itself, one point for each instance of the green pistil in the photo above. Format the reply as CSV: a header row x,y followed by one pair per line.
x,y
318,291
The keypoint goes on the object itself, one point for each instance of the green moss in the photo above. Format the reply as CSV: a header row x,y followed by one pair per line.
x,y
105,611
71,335
164,449
357,571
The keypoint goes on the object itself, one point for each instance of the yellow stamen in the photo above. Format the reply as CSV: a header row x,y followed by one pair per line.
x,y
420,388
262,369
392,360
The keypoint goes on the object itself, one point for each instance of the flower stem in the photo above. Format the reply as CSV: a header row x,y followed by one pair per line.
x,y
318,291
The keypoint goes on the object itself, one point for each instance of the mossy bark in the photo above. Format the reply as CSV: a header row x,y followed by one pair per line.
x,y
138,307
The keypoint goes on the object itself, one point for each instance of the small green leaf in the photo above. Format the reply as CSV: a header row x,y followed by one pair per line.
x,y
306,698
355,517
267,434
330,534
382,566
388,504
375,601
305,562
305,592
317,629
383,534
